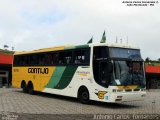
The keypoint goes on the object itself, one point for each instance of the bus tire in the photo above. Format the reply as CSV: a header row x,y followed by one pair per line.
x,y
30,88
24,86
83,95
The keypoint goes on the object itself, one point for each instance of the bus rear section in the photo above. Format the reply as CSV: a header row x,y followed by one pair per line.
x,y
58,70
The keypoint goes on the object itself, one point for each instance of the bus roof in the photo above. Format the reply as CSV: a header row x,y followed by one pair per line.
x,y
58,48
114,45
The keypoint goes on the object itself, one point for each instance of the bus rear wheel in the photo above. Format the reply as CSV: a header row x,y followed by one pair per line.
x,y
24,86
30,88
83,95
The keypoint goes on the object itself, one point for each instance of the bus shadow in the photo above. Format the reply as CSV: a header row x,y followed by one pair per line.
x,y
58,97
114,105
93,103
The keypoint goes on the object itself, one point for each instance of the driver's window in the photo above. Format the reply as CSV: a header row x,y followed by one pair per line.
x,y
100,52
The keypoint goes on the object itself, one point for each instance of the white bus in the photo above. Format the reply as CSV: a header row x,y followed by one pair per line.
x,y
99,72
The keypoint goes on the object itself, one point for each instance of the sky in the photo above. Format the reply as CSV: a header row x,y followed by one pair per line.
x,y
34,24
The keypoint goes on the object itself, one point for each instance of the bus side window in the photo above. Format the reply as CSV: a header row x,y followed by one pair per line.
x,y
82,56
68,57
17,60
22,60
15,63
47,59
61,58
86,54
31,60
65,58
77,57
54,58
26,60
41,59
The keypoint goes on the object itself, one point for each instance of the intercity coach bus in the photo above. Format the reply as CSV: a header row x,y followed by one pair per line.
x,y
99,72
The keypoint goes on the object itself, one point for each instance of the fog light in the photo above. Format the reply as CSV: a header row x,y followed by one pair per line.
x,y
119,90
118,100
119,96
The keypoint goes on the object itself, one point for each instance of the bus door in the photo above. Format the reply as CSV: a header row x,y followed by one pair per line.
x,y
103,72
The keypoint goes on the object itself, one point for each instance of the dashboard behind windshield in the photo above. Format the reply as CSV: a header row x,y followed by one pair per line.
x,y
128,73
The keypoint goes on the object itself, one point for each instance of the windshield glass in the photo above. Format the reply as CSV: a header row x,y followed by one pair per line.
x,y
124,53
128,73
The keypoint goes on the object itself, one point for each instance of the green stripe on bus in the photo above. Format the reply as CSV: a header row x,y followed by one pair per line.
x,y
69,47
82,46
56,76
78,46
66,77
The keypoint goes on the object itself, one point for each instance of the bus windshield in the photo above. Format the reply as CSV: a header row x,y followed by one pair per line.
x,y
118,66
124,53
128,73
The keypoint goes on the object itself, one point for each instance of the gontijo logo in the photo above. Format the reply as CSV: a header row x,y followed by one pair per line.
x,y
101,94
38,70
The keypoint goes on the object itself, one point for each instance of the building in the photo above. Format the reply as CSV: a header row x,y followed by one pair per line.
x,y
6,58
152,76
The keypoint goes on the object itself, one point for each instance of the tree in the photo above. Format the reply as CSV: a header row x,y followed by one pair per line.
x,y
147,59
6,46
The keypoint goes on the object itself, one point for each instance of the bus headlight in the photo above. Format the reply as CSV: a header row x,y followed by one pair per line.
x,y
119,90
114,90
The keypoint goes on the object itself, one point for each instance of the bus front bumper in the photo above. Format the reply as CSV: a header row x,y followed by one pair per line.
x,y
130,96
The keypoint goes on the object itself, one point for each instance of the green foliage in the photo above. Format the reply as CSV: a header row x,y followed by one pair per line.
x,y
6,51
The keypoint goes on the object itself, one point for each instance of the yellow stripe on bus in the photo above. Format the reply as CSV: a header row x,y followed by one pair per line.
x,y
127,87
39,76
41,50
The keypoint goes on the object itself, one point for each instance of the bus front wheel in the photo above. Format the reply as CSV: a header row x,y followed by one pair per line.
x,y
83,95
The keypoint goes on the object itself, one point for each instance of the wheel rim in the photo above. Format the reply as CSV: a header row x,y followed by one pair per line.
x,y
85,96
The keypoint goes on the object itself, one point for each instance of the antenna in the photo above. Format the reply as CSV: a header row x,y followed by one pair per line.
x,y
12,48
116,39
127,40
121,40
